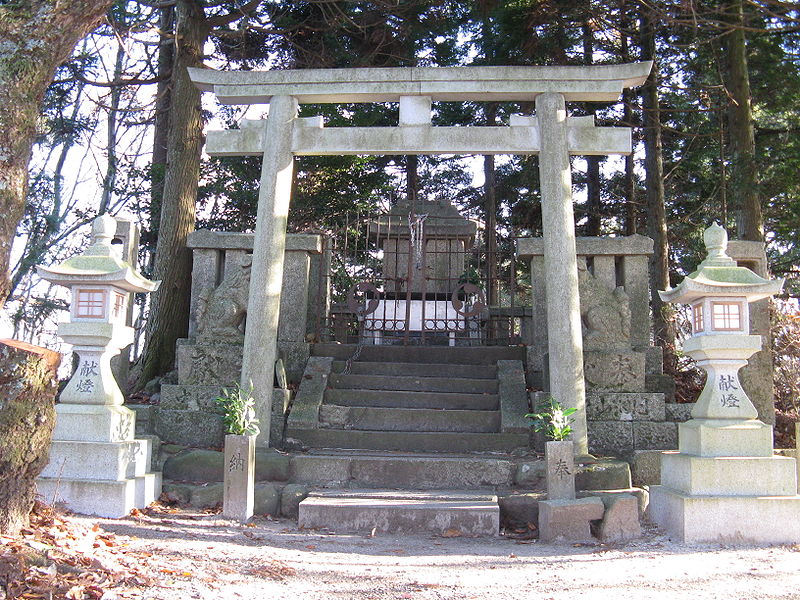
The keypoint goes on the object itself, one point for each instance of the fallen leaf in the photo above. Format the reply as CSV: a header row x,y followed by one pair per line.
x,y
451,533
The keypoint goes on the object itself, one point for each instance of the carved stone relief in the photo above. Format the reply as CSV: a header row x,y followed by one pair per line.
x,y
222,311
605,314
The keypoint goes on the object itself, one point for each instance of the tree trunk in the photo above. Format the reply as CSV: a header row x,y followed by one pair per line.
x,y
168,319
27,416
629,190
594,206
744,171
490,210
37,37
630,165
158,166
654,181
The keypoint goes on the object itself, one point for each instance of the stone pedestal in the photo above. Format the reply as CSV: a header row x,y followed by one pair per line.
x,y
568,520
560,474
239,478
725,484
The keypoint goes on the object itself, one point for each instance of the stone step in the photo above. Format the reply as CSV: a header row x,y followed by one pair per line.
x,y
413,384
460,355
410,440
367,418
377,469
418,369
406,399
392,511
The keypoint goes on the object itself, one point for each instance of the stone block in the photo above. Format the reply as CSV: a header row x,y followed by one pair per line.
x,y
513,396
615,406
190,428
295,356
209,364
291,497
620,520
614,371
646,467
530,475
559,470
207,496
654,360
518,511
325,471
729,476
603,475
679,413
239,470
402,512
271,465
305,409
190,397
642,497
267,499
113,461
716,437
660,384
145,418
610,438
568,520
294,296
176,493
726,519
429,472
94,423
155,451
280,405
195,465
103,498
655,436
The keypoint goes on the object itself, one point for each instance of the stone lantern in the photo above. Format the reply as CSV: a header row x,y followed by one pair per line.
x,y
724,482
96,465
719,293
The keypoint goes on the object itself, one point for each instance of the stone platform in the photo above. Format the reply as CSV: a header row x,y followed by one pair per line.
x,y
725,485
439,512
99,469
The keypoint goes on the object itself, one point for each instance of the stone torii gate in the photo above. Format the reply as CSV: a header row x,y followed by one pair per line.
x,y
550,133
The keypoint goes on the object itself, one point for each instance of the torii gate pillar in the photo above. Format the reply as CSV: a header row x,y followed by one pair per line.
x,y
565,341
269,244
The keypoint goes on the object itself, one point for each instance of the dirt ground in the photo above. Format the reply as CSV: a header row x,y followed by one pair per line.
x,y
183,555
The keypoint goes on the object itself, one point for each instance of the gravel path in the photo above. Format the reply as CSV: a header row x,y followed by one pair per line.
x,y
204,556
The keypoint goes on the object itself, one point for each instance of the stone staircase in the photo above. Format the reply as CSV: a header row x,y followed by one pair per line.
x,y
420,399
424,432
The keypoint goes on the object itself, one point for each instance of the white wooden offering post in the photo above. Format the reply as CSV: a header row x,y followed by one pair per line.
x,y
551,134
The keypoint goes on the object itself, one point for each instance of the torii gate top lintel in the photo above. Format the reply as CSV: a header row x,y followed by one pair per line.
x,y
593,83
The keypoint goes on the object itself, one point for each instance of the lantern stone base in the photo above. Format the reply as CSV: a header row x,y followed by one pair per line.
x,y
719,518
718,437
728,475
725,485
100,497
96,466
94,423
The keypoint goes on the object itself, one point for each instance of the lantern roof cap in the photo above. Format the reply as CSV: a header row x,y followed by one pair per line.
x,y
719,275
99,264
